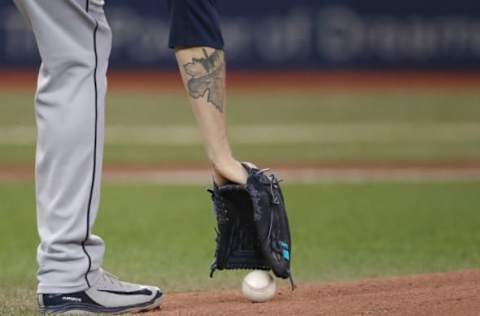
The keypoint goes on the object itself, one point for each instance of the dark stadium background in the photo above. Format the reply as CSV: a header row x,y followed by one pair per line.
x,y
305,34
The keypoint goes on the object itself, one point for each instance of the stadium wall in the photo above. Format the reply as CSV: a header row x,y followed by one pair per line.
x,y
300,34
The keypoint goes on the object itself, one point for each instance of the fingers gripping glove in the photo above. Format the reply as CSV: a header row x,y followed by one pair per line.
x,y
255,214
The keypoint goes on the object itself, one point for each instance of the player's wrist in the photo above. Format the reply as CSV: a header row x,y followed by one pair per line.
x,y
229,170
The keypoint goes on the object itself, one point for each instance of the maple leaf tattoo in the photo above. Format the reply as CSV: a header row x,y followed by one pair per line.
x,y
207,76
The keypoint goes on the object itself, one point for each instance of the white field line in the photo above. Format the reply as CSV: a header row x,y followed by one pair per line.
x,y
275,134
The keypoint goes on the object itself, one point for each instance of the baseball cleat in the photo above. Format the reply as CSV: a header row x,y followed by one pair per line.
x,y
108,295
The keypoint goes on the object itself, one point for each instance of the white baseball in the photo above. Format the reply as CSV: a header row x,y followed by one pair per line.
x,y
259,286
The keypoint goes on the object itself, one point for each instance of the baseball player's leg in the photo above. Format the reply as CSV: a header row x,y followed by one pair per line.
x,y
74,41
198,43
74,46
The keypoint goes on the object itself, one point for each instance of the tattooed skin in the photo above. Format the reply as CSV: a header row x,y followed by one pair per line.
x,y
207,76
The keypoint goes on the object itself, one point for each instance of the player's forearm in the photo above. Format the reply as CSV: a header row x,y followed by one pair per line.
x,y
203,72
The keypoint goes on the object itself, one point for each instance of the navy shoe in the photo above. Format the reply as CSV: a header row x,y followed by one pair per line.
x,y
107,296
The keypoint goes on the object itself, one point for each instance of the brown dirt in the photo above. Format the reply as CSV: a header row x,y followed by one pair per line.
x,y
197,173
442,294
275,80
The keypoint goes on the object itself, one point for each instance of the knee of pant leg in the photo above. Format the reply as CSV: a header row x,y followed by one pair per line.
x,y
66,61
194,23
82,51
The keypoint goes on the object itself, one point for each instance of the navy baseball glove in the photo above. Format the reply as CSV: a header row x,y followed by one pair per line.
x,y
252,225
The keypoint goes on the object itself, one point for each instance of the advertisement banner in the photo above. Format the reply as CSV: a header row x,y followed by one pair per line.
x,y
300,34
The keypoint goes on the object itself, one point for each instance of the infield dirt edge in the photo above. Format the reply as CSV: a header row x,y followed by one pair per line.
x,y
440,294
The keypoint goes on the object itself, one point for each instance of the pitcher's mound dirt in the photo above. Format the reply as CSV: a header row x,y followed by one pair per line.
x,y
454,293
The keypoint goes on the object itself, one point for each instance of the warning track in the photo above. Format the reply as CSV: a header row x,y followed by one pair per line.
x,y
315,173
275,80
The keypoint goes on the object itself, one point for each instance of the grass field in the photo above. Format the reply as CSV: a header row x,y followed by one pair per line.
x,y
340,231
276,127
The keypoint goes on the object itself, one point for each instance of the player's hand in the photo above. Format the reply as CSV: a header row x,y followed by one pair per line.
x,y
229,170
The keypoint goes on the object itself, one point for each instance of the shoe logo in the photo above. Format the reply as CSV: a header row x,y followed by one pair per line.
x,y
139,292
71,299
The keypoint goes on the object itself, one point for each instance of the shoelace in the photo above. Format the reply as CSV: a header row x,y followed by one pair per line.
x,y
273,182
